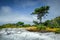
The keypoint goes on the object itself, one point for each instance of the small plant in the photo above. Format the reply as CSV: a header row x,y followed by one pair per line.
x,y
41,27
58,31
27,25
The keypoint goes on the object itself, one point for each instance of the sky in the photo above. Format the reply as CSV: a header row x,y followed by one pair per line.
x,y
13,11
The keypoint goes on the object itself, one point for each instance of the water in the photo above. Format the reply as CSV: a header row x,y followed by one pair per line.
x,y
22,34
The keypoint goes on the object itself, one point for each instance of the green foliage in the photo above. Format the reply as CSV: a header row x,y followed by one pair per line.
x,y
57,19
41,12
1,27
46,23
9,25
20,23
35,22
56,22
53,23
58,31
16,25
41,27
27,25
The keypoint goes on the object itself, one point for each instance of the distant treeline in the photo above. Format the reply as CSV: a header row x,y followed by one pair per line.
x,y
53,23
14,25
48,23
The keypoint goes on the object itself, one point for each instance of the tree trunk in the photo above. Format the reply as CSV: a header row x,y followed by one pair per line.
x,y
40,20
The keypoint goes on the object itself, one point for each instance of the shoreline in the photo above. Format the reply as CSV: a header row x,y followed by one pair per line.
x,y
30,30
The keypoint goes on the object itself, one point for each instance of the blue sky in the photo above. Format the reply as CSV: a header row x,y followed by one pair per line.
x,y
12,11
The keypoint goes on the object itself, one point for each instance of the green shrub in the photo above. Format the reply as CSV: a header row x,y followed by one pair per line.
x,y
41,27
58,31
26,25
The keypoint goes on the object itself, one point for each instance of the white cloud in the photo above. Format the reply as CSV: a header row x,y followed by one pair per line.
x,y
5,10
10,16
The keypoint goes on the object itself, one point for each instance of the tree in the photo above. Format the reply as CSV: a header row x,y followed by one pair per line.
x,y
35,22
41,12
46,23
57,19
20,23
27,25
8,25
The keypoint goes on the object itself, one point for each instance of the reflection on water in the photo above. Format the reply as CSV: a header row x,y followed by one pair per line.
x,y
22,34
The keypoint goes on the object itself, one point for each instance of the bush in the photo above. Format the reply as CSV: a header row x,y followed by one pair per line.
x,y
26,25
41,27
58,31
20,23
1,27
